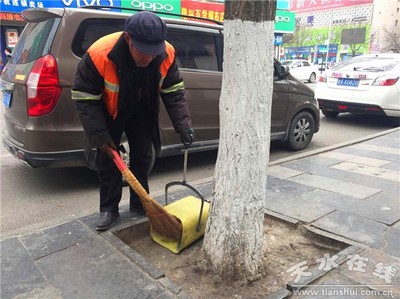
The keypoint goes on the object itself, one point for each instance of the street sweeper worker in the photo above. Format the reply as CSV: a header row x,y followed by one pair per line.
x,y
117,87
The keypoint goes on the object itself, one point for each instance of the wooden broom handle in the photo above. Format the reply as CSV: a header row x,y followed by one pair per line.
x,y
118,161
128,175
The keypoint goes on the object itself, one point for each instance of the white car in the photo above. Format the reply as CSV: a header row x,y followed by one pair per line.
x,y
301,69
367,84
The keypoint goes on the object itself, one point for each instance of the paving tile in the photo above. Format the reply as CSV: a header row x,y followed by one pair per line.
x,y
334,185
392,245
397,225
338,155
353,227
96,269
373,210
303,209
369,161
368,153
392,166
282,172
390,140
19,275
280,190
362,169
55,239
341,175
378,148
377,270
386,202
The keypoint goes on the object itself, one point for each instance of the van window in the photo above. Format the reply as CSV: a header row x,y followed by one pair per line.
x,y
194,49
35,41
90,30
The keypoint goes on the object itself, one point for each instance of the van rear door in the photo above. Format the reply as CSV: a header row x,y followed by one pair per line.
x,y
20,78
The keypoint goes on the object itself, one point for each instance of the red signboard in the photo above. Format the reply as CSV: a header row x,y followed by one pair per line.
x,y
8,16
207,10
301,6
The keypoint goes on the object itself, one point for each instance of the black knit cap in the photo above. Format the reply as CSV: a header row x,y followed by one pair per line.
x,y
147,32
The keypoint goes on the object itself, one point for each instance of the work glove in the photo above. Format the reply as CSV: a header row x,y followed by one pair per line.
x,y
108,148
187,137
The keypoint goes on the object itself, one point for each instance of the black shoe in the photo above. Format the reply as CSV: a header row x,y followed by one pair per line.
x,y
138,208
106,220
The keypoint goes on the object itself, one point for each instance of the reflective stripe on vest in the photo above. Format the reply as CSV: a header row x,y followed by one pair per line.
x,y
111,87
80,95
173,88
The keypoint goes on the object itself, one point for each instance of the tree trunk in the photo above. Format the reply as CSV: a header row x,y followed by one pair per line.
x,y
233,242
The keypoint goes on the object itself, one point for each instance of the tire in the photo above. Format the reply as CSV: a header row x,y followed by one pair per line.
x,y
331,114
301,131
313,78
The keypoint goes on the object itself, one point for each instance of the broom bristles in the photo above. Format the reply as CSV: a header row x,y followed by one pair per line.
x,y
160,220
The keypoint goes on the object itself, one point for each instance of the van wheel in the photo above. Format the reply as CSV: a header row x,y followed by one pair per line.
x,y
301,131
313,78
331,114
124,150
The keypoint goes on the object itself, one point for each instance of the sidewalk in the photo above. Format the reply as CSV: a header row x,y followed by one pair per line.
x,y
349,193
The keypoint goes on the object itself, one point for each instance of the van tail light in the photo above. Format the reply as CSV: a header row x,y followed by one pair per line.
x,y
43,87
386,81
322,78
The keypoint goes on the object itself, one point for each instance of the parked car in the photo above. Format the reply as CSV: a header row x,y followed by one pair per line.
x,y
42,127
322,66
302,69
367,84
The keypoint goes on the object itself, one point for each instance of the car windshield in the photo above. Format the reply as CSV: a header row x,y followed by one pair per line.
x,y
286,62
35,41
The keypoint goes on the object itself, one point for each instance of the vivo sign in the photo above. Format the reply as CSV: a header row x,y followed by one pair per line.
x,y
79,3
153,6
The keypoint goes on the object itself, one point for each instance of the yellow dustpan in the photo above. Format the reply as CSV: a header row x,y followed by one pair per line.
x,y
190,210
193,225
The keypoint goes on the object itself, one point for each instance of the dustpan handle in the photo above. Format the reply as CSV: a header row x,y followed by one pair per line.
x,y
183,183
185,158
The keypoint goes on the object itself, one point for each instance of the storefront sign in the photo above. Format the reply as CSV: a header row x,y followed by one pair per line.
x,y
301,6
278,39
207,10
11,37
282,4
17,6
285,21
166,6
9,16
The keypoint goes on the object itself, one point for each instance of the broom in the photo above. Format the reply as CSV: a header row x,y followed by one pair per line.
x,y
160,220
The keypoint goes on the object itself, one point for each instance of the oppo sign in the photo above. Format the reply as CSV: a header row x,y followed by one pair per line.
x,y
146,5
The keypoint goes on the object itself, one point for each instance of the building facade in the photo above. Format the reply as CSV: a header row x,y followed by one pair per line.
x,y
335,30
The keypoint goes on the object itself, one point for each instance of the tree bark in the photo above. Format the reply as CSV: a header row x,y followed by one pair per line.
x,y
233,242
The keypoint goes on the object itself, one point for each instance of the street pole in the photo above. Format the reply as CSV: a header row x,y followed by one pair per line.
x,y
327,47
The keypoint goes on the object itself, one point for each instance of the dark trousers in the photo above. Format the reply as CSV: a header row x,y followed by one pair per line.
x,y
138,130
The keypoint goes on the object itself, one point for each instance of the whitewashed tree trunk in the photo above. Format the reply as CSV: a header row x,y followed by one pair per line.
x,y
233,242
